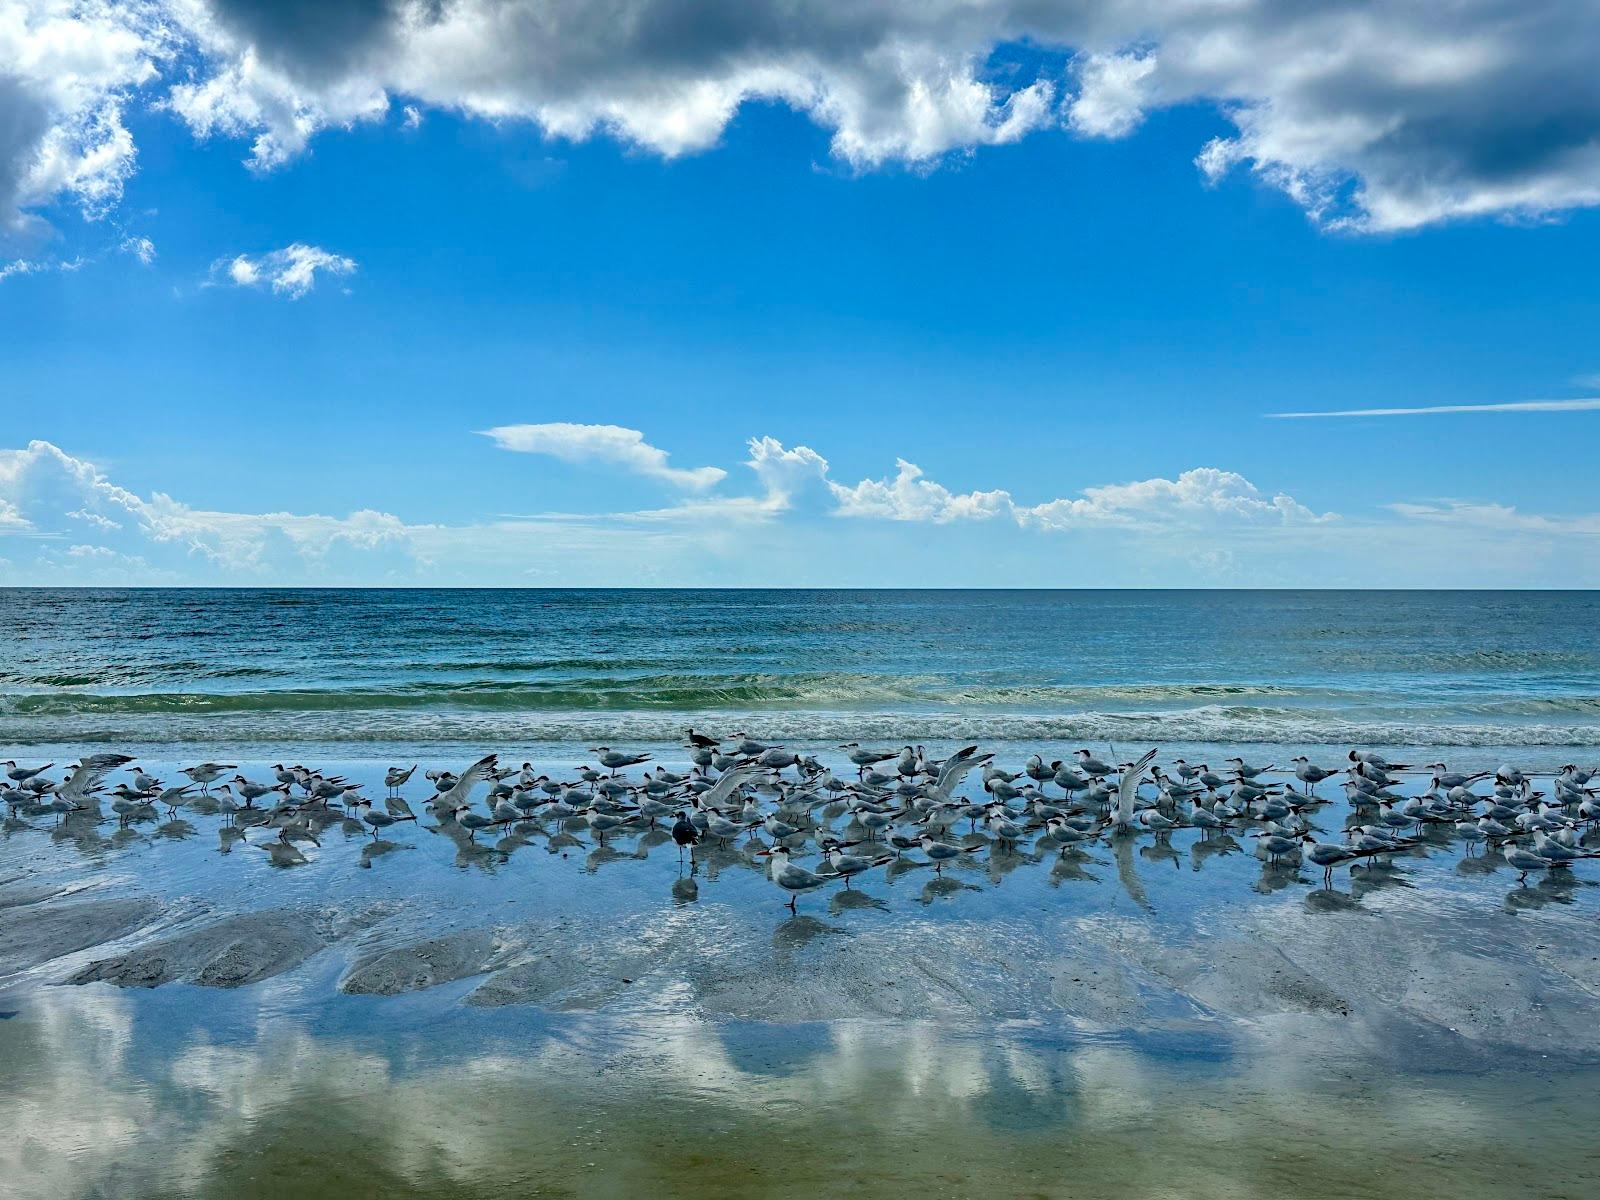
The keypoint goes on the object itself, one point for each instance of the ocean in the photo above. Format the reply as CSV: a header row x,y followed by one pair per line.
x,y
393,669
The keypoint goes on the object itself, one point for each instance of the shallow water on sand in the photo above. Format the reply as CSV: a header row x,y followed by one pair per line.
x,y
536,1016
251,1094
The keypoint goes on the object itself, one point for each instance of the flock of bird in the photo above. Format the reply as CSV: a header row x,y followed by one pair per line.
x,y
890,806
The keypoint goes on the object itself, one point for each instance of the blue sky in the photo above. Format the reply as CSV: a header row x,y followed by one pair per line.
x,y
1049,318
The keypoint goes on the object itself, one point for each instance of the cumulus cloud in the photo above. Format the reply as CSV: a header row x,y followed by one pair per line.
x,y
49,494
1114,92
612,444
909,496
1371,117
1199,495
290,272
63,520
798,479
68,69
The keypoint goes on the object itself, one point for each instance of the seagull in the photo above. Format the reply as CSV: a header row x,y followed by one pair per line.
x,y
683,831
1377,760
1247,772
87,773
455,796
1445,778
863,757
700,740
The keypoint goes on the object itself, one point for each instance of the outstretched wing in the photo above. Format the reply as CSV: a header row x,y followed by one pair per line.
x,y
1128,788
462,788
955,769
91,769
730,781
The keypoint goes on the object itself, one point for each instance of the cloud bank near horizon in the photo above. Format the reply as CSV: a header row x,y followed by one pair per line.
x,y
65,521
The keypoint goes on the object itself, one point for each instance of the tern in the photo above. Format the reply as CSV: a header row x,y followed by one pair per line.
x,y
848,865
1524,860
789,877
615,760
940,853
394,778
1090,765
1309,773
22,774
382,820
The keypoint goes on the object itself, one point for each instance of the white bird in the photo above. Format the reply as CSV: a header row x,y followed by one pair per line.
x,y
1128,787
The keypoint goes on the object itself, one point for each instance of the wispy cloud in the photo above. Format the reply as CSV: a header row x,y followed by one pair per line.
x,y
1582,405
24,266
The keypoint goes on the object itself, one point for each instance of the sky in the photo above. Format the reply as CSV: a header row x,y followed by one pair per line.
x,y
993,293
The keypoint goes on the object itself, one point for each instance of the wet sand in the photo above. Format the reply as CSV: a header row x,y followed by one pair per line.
x,y
539,1016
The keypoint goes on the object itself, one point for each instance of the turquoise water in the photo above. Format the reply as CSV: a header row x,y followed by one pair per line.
x,y
1486,670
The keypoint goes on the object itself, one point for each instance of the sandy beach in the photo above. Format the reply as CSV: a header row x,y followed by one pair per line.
x,y
1038,1009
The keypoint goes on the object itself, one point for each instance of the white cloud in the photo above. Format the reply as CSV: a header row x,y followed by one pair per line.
x,y
1114,91
1499,517
27,266
291,271
1204,494
1583,405
42,487
62,521
1200,494
911,497
141,248
611,444
1372,117
68,69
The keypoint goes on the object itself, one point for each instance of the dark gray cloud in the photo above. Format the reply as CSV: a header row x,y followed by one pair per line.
x,y
315,39
24,121
1371,116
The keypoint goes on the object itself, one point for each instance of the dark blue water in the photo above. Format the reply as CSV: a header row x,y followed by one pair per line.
x,y
1479,669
